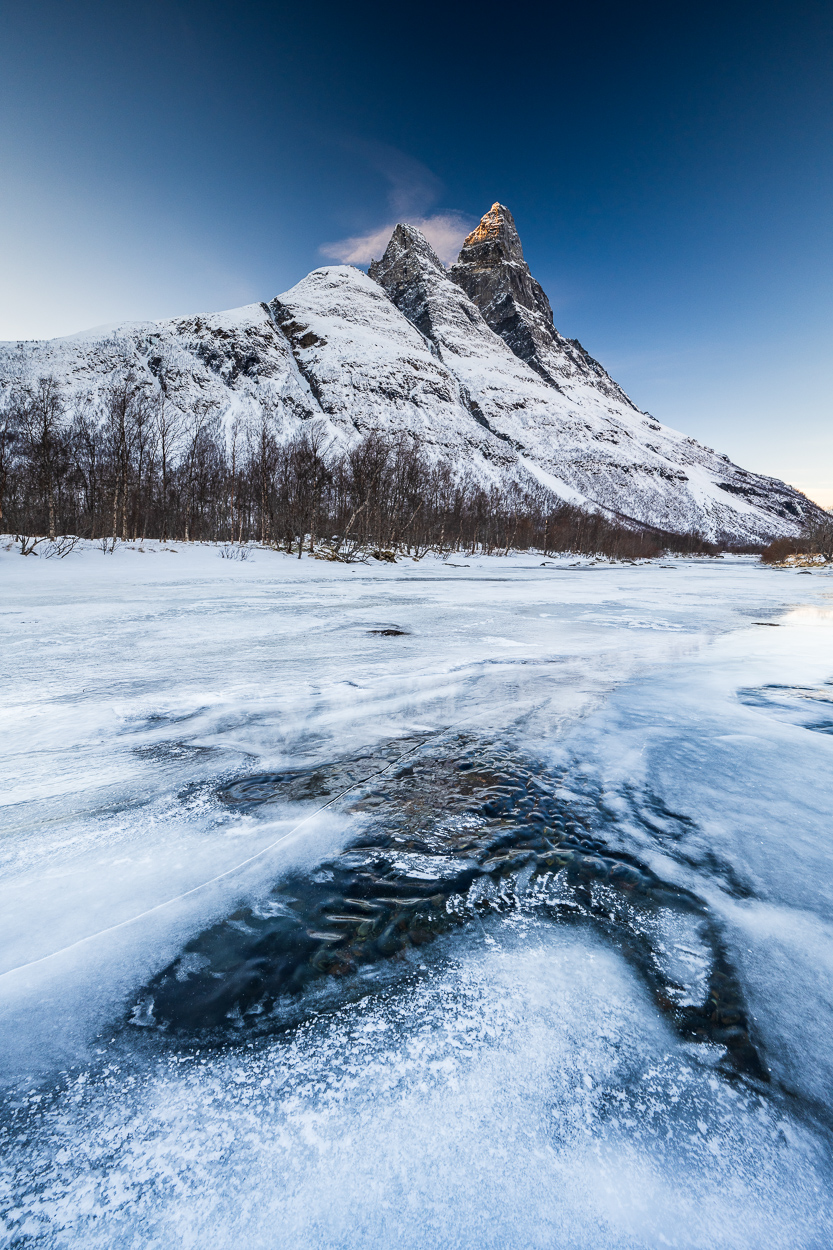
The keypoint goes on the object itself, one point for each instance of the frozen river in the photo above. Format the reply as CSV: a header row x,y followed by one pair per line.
x,y
615,1027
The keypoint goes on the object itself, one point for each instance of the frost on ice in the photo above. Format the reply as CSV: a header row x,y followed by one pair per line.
x,y
484,1048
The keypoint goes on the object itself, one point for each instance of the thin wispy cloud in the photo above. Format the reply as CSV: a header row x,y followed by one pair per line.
x,y
444,231
412,186
412,189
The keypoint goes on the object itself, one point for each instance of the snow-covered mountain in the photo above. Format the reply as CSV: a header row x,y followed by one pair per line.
x,y
466,359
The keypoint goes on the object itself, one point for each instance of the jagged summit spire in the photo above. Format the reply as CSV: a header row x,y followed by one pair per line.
x,y
493,273
405,241
491,268
496,239
407,267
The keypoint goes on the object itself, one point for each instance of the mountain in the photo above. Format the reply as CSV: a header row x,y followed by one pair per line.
x,y
492,271
467,360
233,359
370,368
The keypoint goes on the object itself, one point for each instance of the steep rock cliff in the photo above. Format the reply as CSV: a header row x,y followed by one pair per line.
x,y
492,271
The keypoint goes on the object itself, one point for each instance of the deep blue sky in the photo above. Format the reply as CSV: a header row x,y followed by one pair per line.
x,y
669,168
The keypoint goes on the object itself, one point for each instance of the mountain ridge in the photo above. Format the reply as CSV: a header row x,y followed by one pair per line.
x,y
467,360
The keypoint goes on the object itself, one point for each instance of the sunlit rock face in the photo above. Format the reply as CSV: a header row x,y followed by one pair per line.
x,y
491,268
492,271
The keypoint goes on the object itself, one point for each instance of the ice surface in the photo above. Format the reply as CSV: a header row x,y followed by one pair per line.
x,y
510,1084
726,742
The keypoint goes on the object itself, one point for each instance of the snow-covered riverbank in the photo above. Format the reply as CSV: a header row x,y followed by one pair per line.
x,y
516,1085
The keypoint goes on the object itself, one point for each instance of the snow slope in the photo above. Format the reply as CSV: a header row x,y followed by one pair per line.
x,y
406,349
370,368
234,359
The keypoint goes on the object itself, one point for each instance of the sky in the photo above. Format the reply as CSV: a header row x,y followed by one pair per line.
x,y
668,167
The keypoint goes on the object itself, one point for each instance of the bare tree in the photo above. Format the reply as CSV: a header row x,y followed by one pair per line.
x,y
818,535
309,475
8,441
201,414
41,418
123,418
265,457
168,422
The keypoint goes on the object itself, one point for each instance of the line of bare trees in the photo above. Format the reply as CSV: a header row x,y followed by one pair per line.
x,y
816,539
132,466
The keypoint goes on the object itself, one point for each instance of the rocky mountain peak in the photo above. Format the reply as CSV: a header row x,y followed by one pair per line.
x,y
407,267
492,271
496,239
408,249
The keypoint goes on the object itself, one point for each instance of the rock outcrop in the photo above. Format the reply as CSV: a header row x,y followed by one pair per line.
x,y
492,271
